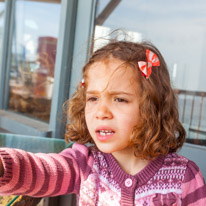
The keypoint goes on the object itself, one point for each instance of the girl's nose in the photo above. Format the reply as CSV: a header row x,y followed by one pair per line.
x,y
103,111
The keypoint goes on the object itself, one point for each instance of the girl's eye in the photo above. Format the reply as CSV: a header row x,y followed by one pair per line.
x,y
120,100
91,99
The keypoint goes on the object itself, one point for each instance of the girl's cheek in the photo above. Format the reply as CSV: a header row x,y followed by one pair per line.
x,y
122,109
90,107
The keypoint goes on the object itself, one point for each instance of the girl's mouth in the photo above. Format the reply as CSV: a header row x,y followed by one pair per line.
x,y
104,134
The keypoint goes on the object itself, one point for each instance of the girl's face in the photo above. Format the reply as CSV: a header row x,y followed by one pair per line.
x,y
112,108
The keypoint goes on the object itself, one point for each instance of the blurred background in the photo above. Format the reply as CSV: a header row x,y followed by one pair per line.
x,y
45,43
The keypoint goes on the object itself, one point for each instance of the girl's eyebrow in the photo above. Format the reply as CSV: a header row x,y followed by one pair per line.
x,y
111,93
120,92
92,92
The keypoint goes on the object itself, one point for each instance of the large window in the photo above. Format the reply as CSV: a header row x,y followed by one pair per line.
x,y
33,56
177,28
41,45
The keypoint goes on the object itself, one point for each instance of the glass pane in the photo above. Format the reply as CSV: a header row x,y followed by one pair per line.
x,y
177,28
2,17
36,27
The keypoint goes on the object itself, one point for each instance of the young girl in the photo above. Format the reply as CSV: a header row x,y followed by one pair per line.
x,y
126,108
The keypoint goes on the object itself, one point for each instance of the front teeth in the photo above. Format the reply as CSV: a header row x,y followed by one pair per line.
x,y
105,132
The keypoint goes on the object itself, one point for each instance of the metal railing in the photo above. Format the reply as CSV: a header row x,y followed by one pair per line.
x,y
192,109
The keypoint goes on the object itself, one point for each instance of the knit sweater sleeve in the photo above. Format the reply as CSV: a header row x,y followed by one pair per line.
x,y
41,175
193,187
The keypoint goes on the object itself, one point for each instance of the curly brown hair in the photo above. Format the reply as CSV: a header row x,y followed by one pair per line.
x,y
159,130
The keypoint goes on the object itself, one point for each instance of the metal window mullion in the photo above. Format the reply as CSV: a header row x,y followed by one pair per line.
x,y
83,40
76,29
6,53
63,65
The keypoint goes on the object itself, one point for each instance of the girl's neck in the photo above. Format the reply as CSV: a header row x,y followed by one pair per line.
x,y
129,162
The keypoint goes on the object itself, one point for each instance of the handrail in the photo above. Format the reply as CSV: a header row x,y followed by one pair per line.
x,y
198,128
196,93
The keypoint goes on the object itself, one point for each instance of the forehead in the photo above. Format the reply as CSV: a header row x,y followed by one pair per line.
x,y
112,73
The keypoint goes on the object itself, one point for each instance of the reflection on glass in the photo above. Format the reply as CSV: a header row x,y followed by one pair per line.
x,y
2,16
36,26
177,28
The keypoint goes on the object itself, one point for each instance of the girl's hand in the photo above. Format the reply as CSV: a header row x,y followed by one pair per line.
x,y
1,168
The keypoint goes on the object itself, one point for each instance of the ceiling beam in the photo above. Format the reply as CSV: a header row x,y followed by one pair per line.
x,y
102,17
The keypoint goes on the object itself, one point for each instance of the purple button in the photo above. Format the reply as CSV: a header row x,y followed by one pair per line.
x,y
128,182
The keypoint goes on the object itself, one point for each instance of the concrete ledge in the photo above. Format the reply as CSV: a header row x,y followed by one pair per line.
x,y
20,124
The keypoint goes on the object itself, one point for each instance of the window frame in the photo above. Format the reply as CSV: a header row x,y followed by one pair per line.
x,y
75,16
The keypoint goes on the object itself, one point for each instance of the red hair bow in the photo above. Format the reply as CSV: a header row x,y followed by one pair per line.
x,y
82,83
146,67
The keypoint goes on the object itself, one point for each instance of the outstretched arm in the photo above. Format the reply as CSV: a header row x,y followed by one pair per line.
x,y
193,187
41,175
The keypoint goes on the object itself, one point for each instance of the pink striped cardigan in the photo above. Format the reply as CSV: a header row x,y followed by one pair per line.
x,y
97,179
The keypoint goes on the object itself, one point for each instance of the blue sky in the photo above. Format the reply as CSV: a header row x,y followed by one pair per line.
x,y
41,18
34,20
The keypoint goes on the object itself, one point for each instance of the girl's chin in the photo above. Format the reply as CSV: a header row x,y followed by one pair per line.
x,y
113,147
106,148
